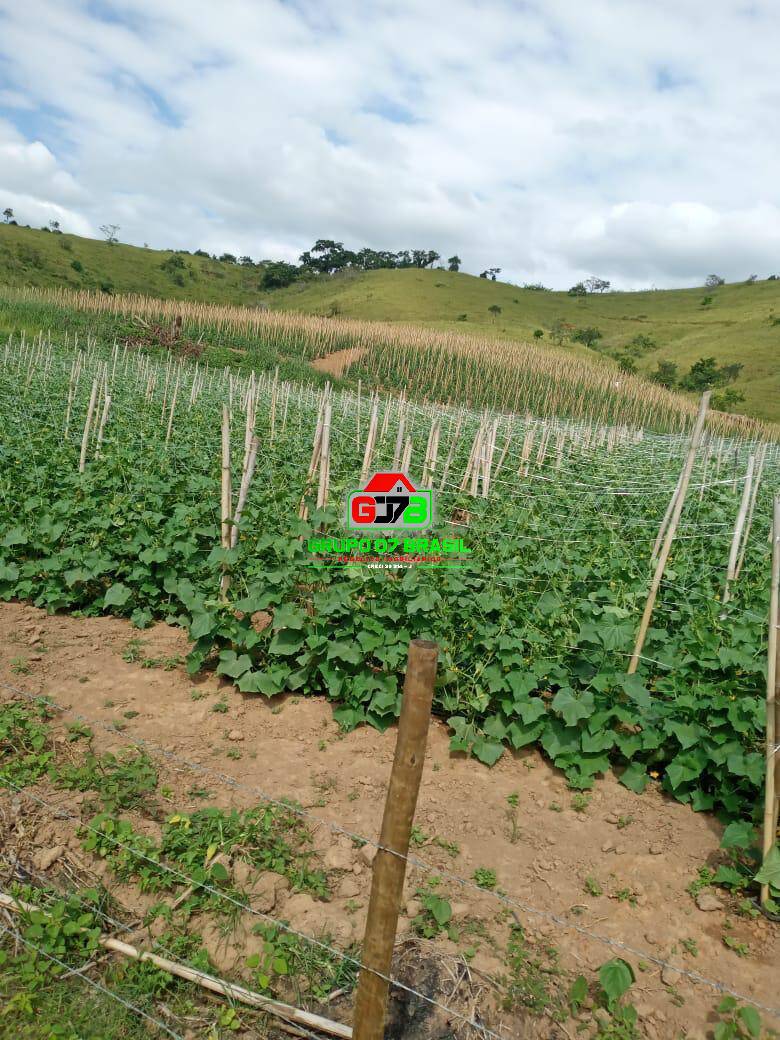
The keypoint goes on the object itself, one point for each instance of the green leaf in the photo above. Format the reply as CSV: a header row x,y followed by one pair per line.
x,y
616,977
769,874
116,595
573,708
635,777
348,652
578,991
752,1020
233,665
201,625
738,835
286,642
289,616
636,691
219,872
487,751
441,910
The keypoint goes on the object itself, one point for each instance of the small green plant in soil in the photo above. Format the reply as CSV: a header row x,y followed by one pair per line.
x,y
737,1022
436,913
485,878
25,751
122,782
289,961
534,978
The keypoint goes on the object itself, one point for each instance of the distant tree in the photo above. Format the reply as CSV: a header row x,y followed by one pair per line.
x,y
560,331
727,401
227,258
626,363
587,336
665,374
277,274
712,281
490,273
246,261
538,333
594,284
706,374
453,263
536,287
495,310
773,278
201,252
54,225
8,214
107,288
578,290
462,317
327,257
751,279
77,266
707,301
110,232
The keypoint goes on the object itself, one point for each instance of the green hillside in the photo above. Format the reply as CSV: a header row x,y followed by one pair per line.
x,y
737,327
740,325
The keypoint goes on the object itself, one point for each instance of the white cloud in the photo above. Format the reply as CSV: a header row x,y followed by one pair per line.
x,y
555,139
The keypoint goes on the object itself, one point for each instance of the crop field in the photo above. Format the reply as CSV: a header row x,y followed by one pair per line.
x,y
557,481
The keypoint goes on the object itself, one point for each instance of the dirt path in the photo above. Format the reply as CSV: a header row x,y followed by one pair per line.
x,y
518,819
337,363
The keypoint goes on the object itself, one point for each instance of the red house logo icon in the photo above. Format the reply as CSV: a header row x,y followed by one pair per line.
x,y
390,500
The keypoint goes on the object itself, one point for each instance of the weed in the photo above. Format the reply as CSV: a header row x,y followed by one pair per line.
x,y
513,799
79,731
291,958
485,878
556,807
531,981
220,707
25,752
132,650
690,946
592,887
120,783
436,913
197,695
624,821
233,753
737,1022
703,880
20,666
418,837
131,714
580,802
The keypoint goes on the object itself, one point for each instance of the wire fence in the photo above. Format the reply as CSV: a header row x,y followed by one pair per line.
x,y
512,904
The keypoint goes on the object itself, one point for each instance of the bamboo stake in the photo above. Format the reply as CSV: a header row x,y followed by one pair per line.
x,y
664,523
407,459
390,863
173,407
87,423
101,429
243,491
736,538
226,496
322,490
751,510
370,439
286,1012
685,478
772,782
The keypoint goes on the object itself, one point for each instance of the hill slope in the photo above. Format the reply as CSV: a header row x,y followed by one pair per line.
x,y
736,327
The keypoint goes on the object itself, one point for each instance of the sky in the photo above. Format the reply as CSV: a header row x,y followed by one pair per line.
x,y
636,140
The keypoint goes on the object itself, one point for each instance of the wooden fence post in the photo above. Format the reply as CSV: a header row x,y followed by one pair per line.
x,y
390,863
772,791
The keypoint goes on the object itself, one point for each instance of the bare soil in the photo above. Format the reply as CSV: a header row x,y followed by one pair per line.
x,y
641,850
337,363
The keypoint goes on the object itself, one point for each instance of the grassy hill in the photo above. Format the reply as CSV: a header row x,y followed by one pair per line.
x,y
740,325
